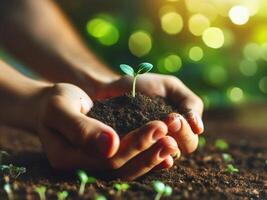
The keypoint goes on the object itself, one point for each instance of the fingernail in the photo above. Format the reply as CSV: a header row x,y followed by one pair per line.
x,y
103,143
157,135
176,124
191,115
84,105
164,152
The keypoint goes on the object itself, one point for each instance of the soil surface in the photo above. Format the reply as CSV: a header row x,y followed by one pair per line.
x,y
201,175
125,113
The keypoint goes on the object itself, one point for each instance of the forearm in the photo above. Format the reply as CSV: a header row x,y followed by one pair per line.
x,y
38,33
19,98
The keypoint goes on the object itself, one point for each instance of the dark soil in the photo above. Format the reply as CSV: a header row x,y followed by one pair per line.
x,y
198,176
125,113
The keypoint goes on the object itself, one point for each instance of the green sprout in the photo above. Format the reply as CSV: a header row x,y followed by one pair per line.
x,y
41,192
221,144
84,180
3,154
227,157
231,169
142,68
161,189
9,191
62,195
12,171
100,197
121,187
201,142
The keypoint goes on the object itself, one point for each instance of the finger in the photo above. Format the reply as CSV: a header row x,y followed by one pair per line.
x,y
165,164
180,130
188,103
57,147
81,131
147,160
138,141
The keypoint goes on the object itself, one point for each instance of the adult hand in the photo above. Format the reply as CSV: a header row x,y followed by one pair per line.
x,y
184,126
72,140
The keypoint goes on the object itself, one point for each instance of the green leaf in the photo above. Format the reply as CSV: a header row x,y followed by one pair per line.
x,y
127,69
231,169
158,186
125,186
167,191
221,144
201,142
227,157
144,68
100,197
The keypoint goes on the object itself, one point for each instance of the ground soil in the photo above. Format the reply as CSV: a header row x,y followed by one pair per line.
x,y
198,176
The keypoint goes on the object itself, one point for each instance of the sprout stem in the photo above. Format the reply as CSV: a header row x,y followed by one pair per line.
x,y
134,83
158,196
82,187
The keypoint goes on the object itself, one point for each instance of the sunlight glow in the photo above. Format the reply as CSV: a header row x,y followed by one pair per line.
x,y
213,37
172,23
263,84
239,14
198,23
196,53
235,94
140,43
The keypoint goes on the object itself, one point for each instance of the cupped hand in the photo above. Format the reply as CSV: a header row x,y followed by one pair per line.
x,y
72,140
184,126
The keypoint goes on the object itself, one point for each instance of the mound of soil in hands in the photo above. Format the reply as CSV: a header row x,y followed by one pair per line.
x,y
125,113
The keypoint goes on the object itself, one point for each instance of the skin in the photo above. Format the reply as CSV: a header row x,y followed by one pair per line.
x,y
57,112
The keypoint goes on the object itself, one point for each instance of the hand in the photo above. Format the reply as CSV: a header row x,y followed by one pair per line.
x,y
72,140
184,127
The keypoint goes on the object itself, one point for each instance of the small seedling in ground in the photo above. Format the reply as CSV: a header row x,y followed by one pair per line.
x,y
12,171
142,68
121,187
84,180
62,195
3,154
221,144
201,142
100,197
9,191
161,189
227,157
41,192
231,169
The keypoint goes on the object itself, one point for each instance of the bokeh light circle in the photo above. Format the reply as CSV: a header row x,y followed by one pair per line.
x,y
216,75
169,64
198,23
263,84
248,67
239,14
140,43
252,51
171,23
235,94
195,53
264,51
106,33
213,37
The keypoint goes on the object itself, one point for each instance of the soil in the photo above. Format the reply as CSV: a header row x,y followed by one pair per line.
x,y
125,113
200,175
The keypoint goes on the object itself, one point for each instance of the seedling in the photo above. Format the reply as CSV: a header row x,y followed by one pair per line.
x,y
41,192
201,142
12,171
100,197
121,187
2,155
221,144
227,157
231,169
84,180
9,191
62,195
142,68
161,189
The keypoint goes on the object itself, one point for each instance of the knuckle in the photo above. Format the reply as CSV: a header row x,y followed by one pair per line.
x,y
141,145
82,132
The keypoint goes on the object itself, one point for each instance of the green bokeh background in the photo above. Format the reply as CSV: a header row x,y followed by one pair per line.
x,y
215,75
